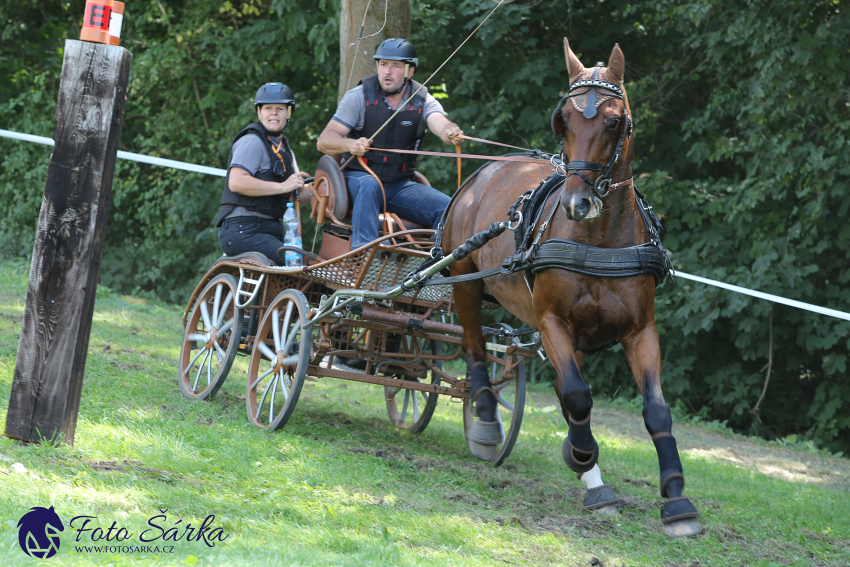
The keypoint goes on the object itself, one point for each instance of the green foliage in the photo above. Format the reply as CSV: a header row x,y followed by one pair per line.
x,y
743,146
196,66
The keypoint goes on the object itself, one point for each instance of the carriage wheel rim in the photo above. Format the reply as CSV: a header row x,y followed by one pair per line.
x,y
207,339
278,367
416,402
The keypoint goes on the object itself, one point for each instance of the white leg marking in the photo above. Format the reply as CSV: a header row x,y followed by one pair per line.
x,y
592,478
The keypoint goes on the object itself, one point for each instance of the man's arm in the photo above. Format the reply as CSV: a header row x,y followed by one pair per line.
x,y
333,141
244,183
448,131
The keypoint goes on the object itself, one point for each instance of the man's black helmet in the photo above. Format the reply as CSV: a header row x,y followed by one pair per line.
x,y
274,93
397,49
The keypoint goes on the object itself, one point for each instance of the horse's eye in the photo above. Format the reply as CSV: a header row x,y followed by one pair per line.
x,y
613,124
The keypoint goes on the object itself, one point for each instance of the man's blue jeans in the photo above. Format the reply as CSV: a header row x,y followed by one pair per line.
x,y
409,200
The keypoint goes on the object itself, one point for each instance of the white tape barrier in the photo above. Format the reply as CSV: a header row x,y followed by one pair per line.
x,y
221,173
125,155
767,296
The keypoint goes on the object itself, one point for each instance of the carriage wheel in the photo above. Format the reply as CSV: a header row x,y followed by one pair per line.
x,y
211,339
511,401
278,361
412,409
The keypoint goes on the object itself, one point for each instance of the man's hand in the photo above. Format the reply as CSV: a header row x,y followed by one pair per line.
x,y
453,134
359,147
449,132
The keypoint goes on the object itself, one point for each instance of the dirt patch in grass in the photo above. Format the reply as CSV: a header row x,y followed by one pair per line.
x,y
135,466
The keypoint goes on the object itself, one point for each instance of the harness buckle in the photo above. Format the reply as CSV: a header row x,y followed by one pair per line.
x,y
518,222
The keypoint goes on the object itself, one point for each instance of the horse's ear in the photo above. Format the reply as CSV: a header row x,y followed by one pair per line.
x,y
616,65
574,66
557,123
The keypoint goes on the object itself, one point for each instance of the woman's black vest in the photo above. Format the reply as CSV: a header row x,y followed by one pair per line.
x,y
405,132
272,205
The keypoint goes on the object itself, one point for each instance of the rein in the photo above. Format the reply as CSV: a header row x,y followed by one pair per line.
x,y
459,155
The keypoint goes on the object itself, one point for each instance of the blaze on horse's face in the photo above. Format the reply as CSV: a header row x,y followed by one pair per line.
x,y
589,139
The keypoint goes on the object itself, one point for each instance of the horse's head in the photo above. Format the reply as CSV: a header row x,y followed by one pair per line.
x,y
595,123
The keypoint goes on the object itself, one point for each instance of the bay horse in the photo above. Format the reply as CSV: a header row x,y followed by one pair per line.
x,y
575,313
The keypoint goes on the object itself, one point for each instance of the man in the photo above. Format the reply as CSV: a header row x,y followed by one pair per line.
x,y
261,174
361,113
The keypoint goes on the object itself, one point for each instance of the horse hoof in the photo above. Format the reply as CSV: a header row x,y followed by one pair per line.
x,y
610,511
679,517
600,497
484,452
683,528
483,439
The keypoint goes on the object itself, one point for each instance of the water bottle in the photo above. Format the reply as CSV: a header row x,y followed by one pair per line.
x,y
291,236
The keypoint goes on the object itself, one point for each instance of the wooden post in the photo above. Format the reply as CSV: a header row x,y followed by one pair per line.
x,y
54,340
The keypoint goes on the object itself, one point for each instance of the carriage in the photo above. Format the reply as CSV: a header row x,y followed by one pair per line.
x,y
345,314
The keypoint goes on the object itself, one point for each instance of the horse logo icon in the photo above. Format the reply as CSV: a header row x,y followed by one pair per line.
x,y
38,532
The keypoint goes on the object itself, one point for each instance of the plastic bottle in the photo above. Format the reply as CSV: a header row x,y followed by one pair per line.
x,y
291,236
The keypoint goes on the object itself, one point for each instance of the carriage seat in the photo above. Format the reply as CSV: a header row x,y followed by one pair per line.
x,y
330,196
250,258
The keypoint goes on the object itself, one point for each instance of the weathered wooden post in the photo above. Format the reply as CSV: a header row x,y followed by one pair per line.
x,y
54,339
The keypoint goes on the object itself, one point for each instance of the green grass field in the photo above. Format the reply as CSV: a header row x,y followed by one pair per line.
x,y
340,486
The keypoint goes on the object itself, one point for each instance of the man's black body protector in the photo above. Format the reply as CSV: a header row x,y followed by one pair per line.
x,y
271,205
405,132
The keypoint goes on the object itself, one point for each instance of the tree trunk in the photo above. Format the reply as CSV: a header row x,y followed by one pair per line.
x,y
356,57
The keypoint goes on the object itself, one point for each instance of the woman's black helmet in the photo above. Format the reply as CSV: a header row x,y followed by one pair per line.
x,y
397,49
274,93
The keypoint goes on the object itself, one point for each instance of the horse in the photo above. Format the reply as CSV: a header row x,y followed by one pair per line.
x,y
575,313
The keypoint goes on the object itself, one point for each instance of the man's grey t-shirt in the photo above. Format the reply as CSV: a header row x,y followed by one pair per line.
x,y
351,112
249,153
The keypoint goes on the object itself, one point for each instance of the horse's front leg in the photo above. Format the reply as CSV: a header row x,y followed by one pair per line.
x,y
643,354
580,450
485,434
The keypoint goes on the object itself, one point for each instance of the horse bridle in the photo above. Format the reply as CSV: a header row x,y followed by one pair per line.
x,y
591,88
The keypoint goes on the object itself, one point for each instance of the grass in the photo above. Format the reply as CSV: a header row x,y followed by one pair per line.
x,y
340,486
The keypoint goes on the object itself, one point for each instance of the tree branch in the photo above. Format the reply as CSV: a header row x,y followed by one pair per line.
x,y
755,410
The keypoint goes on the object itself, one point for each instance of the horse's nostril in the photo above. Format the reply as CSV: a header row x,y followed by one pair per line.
x,y
583,207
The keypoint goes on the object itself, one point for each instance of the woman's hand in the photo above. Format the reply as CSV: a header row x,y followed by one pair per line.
x,y
295,181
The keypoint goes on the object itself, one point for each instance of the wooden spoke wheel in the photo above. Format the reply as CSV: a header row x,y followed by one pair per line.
x,y
412,409
279,361
511,399
211,339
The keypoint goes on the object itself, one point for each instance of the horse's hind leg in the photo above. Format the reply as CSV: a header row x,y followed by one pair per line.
x,y
485,434
678,514
580,450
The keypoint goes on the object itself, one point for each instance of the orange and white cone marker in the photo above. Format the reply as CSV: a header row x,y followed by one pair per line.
x,y
96,21
115,21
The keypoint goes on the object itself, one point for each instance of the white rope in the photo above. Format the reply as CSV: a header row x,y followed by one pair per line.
x,y
767,296
221,173
126,155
